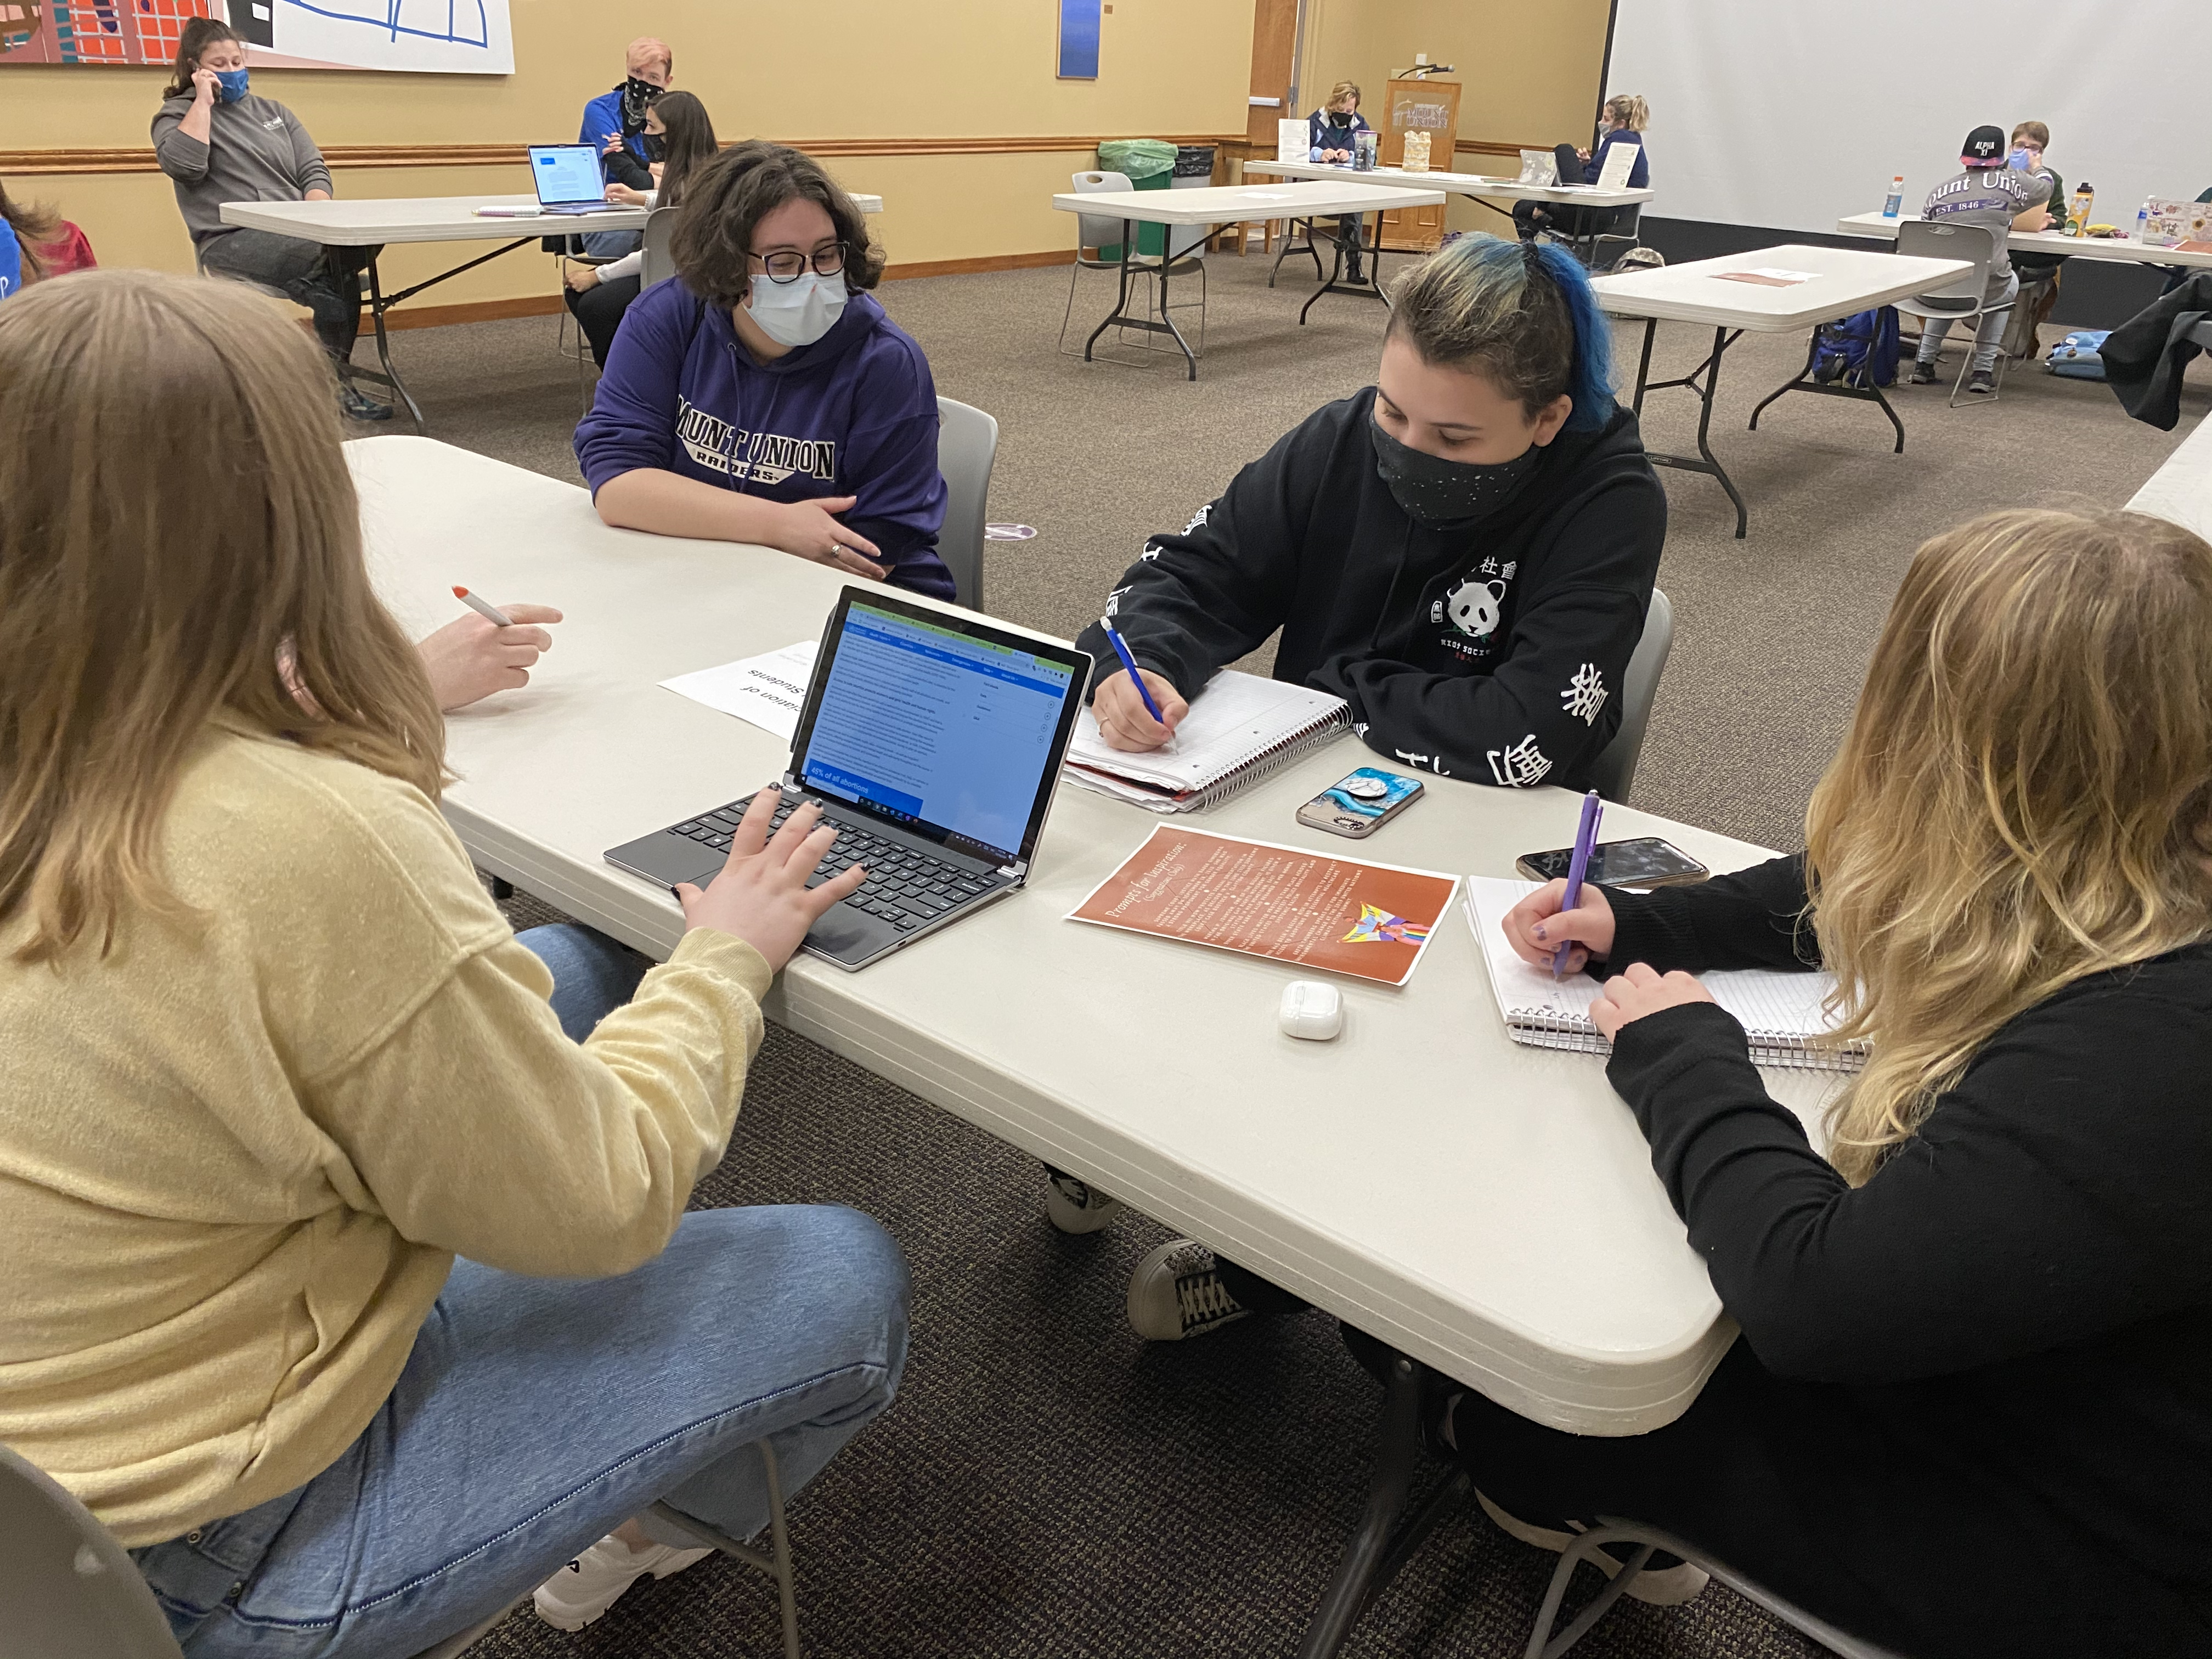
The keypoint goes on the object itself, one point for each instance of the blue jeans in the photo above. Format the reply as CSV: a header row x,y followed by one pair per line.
x,y
536,1415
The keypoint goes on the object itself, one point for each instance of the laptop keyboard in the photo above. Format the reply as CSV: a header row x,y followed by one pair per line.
x,y
905,887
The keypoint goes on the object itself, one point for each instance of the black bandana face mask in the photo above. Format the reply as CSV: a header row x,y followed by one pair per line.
x,y
635,95
1437,494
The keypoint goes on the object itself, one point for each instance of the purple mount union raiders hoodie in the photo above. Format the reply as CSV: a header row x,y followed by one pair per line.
x,y
854,413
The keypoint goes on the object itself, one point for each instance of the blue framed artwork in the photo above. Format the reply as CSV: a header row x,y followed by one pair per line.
x,y
1078,40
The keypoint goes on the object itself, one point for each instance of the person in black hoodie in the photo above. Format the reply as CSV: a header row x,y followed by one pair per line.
x,y
1970,1412
1464,552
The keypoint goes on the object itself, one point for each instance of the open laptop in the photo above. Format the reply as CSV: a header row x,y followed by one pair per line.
x,y
1539,167
931,740
569,180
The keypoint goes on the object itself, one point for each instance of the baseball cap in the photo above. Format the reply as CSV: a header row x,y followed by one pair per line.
x,y
1985,148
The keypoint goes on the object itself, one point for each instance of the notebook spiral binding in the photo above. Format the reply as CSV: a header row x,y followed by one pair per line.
x,y
1269,762
1785,1050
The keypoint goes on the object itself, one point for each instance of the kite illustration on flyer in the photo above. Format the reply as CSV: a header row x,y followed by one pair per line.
x,y
1340,915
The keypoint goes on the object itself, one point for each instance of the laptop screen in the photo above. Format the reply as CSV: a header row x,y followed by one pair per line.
x,y
566,173
938,722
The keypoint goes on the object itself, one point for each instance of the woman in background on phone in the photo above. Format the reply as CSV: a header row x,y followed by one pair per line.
x,y
1970,1411
219,142
678,138
1330,132
1464,552
1622,121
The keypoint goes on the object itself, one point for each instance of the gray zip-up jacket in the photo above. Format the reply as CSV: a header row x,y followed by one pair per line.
x,y
258,152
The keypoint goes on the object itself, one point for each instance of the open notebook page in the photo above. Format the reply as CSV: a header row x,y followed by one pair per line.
x,y
1238,718
1784,1006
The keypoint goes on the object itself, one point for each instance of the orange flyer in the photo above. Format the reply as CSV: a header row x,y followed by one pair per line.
x,y
1370,920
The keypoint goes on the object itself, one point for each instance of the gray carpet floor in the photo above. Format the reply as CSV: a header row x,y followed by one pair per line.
x,y
1048,1484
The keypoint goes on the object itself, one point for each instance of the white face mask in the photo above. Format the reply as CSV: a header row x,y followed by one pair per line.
x,y
799,312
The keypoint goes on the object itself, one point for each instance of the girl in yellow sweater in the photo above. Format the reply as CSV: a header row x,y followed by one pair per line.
x,y
344,1286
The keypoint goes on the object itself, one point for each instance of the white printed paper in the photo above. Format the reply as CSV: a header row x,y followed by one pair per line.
x,y
767,691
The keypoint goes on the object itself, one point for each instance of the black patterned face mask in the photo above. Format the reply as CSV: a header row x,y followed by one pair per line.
x,y
1437,493
636,94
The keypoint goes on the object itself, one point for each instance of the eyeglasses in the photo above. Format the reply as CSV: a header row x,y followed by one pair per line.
x,y
786,266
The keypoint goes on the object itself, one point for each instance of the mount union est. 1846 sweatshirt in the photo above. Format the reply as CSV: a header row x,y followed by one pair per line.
x,y
1493,651
854,413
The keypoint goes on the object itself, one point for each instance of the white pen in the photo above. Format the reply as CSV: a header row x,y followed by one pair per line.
x,y
490,613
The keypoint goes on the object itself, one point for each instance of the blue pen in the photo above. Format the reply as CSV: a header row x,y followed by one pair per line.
x,y
1136,679
1585,838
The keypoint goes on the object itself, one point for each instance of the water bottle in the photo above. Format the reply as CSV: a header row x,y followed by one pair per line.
x,y
2142,221
1895,204
2084,194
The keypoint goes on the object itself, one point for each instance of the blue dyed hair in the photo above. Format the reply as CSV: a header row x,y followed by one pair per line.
x,y
1523,315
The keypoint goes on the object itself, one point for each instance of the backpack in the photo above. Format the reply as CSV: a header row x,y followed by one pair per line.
x,y
2079,356
1861,351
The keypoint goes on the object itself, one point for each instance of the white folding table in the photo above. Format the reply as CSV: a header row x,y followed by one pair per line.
x,y
2181,490
372,224
1222,204
2124,250
1836,282
1475,186
1485,1208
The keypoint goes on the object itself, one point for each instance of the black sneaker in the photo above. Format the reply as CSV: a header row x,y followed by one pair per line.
x,y
357,405
1922,373
1177,1292
1982,385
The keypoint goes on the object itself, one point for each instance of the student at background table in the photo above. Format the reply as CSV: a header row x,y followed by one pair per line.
x,y
350,1279
1329,139
764,395
1970,1411
24,231
1622,121
614,125
221,141
1464,552
678,138
2038,272
1987,193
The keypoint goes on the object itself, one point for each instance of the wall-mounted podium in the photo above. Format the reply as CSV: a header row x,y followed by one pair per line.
x,y
1418,105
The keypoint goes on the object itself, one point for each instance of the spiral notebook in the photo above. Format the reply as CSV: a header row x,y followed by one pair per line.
x,y
1240,729
1781,1013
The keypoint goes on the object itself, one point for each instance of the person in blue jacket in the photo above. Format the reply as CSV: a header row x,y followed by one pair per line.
x,y
614,125
763,396
1622,122
1329,139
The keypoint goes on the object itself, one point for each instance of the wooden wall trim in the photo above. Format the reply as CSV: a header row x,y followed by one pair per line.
x,y
31,162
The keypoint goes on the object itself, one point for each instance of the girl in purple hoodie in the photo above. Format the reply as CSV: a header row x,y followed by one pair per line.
x,y
760,398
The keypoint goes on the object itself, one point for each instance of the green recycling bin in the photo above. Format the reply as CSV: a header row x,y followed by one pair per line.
x,y
1148,164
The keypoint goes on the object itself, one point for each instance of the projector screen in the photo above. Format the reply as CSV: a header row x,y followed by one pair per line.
x,y
1784,114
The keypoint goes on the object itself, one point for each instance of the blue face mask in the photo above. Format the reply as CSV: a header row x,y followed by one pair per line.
x,y
233,84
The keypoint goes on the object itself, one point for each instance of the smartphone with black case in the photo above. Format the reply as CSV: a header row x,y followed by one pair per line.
x,y
1646,861
1358,805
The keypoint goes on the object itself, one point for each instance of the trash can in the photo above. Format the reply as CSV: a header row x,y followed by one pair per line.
x,y
1194,170
1148,164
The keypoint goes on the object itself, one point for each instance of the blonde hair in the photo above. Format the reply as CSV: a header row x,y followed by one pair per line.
x,y
1340,92
2024,797
1628,110
175,519
645,50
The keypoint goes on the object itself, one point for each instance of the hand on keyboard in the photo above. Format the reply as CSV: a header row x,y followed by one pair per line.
x,y
762,894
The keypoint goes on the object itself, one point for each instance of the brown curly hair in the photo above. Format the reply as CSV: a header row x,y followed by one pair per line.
x,y
725,201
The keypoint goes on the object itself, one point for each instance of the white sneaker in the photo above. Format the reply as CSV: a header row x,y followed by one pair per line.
x,y
1177,1292
1660,1587
572,1597
1076,1206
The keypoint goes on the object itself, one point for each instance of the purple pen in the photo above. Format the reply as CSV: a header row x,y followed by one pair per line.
x,y
1585,838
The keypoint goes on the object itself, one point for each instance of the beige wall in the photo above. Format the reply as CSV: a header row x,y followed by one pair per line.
x,y
970,69
1529,73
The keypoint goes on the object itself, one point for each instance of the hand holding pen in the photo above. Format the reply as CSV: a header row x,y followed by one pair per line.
x,y
1135,709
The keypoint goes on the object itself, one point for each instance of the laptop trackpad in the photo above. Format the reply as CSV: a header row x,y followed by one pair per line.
x,y
849,936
